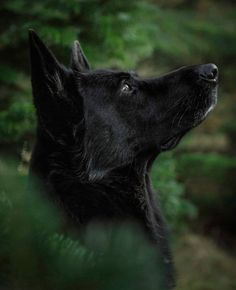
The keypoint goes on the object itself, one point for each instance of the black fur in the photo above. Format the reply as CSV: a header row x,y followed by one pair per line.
x,y
99,132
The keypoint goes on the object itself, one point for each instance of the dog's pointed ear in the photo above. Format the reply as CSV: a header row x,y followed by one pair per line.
x,y
42,59
79,61
49,80
47,74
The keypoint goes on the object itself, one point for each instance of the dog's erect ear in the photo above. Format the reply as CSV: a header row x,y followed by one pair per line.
x,y
43,62
49,79
79,61
46,73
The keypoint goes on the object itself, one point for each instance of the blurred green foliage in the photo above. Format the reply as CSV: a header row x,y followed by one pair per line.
x,y
38,255
178,210
203,265
209,180
213,165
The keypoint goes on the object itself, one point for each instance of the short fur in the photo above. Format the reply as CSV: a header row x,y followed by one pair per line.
x,y
99,132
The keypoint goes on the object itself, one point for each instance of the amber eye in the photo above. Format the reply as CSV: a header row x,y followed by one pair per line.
x,y
126,87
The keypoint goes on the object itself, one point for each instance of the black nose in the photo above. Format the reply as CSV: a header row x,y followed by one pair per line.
x,y
208,72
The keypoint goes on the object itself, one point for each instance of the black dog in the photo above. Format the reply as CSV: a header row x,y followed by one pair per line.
x,y
99,132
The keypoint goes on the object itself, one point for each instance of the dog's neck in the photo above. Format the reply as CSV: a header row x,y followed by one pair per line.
x,y
60,172
62,175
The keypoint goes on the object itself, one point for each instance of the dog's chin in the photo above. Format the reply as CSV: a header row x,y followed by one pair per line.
x,y
173,141
211,107
203,114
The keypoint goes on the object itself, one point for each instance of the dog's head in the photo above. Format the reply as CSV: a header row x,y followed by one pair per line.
x,y
114,115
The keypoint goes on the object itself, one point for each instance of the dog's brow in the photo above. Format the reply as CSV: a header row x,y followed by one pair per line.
x,y
133,73
126,75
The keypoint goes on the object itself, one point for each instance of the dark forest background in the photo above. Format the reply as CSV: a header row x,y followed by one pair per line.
x,y
196,182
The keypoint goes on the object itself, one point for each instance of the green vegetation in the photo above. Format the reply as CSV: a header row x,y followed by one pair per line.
x,y
213,165
177,209
35,254
208,267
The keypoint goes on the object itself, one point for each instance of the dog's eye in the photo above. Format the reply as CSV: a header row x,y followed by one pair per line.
x,y
126,88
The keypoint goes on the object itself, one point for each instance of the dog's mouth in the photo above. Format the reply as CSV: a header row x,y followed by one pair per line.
x,y
212,81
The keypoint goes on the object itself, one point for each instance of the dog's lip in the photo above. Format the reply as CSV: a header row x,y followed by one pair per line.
x,y
213,81
173,141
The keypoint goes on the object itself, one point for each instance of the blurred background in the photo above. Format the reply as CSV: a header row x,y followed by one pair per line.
x,y
197,181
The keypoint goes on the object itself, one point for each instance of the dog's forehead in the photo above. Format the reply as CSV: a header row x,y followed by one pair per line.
x,y
108,77
108,73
